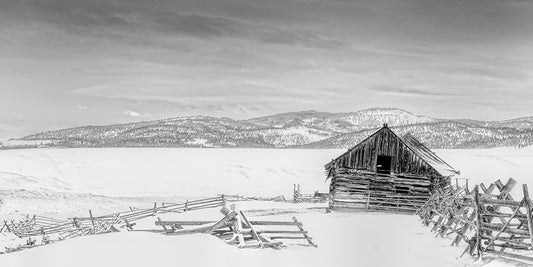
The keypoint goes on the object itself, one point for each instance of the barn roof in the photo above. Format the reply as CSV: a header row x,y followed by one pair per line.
x,y
418,148
428,156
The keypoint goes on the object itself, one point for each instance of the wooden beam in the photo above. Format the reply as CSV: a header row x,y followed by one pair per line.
x,y
305,235
254,233
92,219
477,209
528,213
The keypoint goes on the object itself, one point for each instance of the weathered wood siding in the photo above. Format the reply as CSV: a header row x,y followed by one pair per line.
x,y
360,189
385,142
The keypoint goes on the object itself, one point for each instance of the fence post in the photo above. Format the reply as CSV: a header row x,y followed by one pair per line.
x,y
478,220
92,219
528,207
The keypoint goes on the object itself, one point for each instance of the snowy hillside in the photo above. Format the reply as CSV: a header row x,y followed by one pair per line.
x,y
444,134
342,122
523,123
310,129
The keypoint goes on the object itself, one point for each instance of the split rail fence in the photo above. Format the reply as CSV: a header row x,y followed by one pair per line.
x,y
51,230
316,197
235,228
488,219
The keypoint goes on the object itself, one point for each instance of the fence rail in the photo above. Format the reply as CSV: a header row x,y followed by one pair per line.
x,y
235,228
50,230
488,219
313,198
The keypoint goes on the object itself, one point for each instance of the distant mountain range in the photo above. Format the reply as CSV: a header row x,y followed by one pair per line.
x,y
305,129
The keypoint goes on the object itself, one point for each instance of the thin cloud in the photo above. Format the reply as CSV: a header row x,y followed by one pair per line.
x,y
298,38
124,22
198,25
131,113
407,91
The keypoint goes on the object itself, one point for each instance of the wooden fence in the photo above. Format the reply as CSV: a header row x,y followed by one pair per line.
x,y
235,228
259,233
316,197
488,219
50,230
234,198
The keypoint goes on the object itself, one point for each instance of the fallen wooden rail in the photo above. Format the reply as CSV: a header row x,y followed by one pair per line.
x,y
235,228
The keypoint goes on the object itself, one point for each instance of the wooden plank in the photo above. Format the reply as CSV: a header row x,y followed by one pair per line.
x,y
516,240
501,202
502,215
92,219
477,209
183,222
305,234
491,227
528,212
274,223
290,237
254,233
280,232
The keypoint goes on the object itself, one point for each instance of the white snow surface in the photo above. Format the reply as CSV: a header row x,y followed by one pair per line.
x,y
59,181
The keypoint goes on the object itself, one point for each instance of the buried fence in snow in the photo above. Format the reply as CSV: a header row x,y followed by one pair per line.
x,y
235,228
490,221
297,196
38,225
232,198
49,230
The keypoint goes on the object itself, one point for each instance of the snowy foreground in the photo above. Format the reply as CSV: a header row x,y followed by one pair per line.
x,y
67,182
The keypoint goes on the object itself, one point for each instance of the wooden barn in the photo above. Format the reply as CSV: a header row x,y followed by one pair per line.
x,y
386,172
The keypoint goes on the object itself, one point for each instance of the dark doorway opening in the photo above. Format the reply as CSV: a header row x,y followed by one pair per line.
x,y
384,164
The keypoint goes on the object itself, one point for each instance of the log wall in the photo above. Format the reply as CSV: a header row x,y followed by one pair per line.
x,y
360,189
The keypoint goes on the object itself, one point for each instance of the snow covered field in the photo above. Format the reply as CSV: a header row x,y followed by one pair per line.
x,y
68,182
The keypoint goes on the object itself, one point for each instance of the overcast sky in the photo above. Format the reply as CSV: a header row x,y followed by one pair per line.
x,y
67,63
